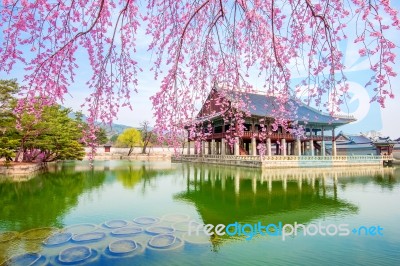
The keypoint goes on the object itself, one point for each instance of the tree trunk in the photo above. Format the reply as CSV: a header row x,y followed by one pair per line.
x,y
144,147
130,150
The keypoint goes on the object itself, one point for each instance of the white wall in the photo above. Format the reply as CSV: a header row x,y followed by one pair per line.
x,y
138,150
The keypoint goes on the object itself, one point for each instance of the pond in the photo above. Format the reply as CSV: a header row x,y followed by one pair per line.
x,y
152,213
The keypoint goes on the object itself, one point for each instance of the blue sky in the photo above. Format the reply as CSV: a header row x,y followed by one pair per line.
x,y
370,116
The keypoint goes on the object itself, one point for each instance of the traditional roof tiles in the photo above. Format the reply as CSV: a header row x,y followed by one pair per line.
x,y
268,106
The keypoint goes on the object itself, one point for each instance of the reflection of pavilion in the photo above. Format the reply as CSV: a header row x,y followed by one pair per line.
x,y
224,195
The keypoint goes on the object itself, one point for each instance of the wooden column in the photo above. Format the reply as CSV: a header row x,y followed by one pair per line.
x,y
292,148
202,150
323,153
333,143
312,152
212,149
283,149
236,150
253,146
269,150
298,147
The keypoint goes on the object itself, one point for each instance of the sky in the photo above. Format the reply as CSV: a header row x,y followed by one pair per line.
x,y
370,116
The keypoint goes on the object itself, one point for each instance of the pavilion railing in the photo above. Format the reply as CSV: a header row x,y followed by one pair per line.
x,y
274,135
292,157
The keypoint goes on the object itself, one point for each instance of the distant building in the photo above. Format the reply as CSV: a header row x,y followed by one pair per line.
x,y
348,144
107,147
384,146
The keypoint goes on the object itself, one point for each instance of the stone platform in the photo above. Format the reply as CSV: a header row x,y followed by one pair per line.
x,y
286,161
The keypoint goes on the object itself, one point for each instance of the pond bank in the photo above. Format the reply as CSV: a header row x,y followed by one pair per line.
x,y
19,171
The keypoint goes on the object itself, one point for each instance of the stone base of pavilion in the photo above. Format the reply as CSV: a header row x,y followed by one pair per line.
x,y
280,161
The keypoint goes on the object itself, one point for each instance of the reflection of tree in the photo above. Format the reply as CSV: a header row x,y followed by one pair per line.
x,y
43,200
133,175
389,181
130,177
386,178
224,195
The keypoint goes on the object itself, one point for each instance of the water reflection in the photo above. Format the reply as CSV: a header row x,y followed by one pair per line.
x,y
44,200
144,175
224,195
72,193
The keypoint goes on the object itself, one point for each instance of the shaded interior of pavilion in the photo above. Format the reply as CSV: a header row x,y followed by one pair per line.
x,y
318,140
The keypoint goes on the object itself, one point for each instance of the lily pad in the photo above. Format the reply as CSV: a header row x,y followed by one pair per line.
x,y
75,254
89,237
122,246
27,259
57,239
127,231
38,233
116,223
80,228
188,226
7,236
164,241
157,230
197,238
175,217
146,220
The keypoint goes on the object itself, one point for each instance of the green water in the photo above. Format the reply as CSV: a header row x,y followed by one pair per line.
x,y
72,193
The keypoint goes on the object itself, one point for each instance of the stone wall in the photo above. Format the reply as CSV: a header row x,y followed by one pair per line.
x,y
19,172
114,151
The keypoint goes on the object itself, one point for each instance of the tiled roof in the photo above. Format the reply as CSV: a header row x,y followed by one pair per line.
x,y
360,139
263,105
